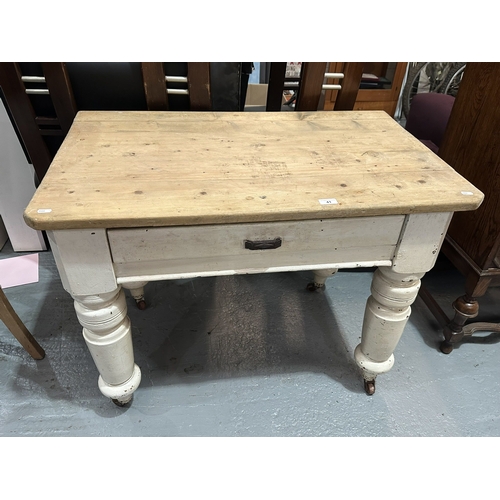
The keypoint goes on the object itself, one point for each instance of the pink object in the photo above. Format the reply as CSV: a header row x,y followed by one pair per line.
x,y
21,270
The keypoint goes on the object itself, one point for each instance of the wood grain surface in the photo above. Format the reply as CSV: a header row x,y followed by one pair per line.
x,y
135,169
471,145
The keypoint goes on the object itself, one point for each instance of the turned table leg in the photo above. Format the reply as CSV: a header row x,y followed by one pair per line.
x,y
106,330
320,277
136,289
386,314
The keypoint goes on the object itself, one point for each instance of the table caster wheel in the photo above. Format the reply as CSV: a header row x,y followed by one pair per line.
x,y
141,304
446,347
313,287
121,404
370,387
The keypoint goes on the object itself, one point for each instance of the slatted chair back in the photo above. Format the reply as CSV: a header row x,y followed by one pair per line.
x,y
42,107
42,103
310,84
159,86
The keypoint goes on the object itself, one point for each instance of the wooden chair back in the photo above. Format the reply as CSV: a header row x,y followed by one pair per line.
x,y
37,130
21,92
311,83
158,86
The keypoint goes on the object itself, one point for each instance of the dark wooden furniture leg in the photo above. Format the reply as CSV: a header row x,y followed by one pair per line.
x,y
466,307
18,329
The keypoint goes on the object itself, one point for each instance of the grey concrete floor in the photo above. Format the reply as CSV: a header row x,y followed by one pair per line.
x,y
253,355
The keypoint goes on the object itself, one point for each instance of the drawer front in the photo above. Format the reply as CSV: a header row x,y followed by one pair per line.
x,y
257,246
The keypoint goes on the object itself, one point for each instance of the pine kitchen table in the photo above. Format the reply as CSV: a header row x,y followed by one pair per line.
x,y
138,196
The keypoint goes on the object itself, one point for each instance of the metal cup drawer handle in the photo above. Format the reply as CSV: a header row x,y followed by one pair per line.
x,y
263,244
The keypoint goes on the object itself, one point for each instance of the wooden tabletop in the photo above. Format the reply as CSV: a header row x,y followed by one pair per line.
x,y
135,169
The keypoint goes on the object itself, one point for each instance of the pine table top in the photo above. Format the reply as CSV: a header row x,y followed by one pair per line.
x,y
147,168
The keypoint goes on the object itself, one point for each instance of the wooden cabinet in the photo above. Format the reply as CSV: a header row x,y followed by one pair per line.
x,y
471,145
385,98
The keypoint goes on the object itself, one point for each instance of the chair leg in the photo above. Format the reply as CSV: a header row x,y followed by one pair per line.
x,y
17,328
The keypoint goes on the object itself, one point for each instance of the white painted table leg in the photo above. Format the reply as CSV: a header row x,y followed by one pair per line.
x,y
387,311
320,277
137,291
106,330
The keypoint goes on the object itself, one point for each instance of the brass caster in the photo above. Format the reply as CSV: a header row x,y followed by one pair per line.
x,y
370,387
446,347
313,287
141,304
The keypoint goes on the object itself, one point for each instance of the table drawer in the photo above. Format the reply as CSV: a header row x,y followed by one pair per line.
x,y
253,247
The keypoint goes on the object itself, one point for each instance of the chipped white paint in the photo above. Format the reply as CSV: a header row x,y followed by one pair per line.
x,y
133,257
421,239
126,274
321,275
194,242
136,289
83,260
216,250
106,330
387,311
395,289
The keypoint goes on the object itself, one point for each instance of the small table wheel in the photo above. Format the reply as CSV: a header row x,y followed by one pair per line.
x,y
120,403
370,387
141,304
313,287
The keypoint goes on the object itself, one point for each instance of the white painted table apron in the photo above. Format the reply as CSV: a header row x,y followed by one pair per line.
x,y
98,256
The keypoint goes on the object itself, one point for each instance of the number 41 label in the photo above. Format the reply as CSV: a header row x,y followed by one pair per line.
x,y
328,201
